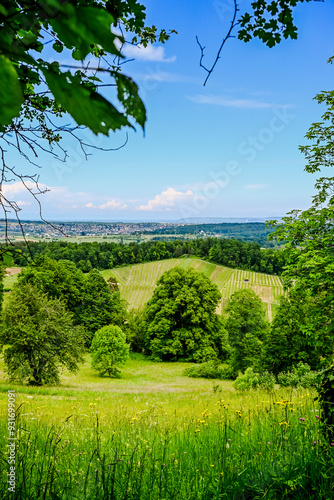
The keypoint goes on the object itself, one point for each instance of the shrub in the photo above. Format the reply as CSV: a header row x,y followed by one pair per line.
x,y
267,381
210,370
109,348
252,380
247,380
301,375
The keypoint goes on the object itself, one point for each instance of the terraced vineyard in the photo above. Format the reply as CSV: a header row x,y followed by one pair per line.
x,y
137,282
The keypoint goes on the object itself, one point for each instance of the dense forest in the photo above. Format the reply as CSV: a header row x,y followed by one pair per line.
x,y
86,256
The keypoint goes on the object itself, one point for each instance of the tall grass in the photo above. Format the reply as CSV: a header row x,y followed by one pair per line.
x,y
271,449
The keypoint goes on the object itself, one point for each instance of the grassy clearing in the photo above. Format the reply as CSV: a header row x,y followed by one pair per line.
x,y
158,435
9,281
137,282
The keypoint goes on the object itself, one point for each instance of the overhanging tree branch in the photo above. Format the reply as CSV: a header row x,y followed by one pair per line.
x,y
234,23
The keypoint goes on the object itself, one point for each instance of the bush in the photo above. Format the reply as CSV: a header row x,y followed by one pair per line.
x,y
252,380
267,381
210,370
300,376
247,380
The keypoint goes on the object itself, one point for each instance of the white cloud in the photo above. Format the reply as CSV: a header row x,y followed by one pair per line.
x,y
109,204
18,188
112,204
256,186
149,53
57,199
234,103
22,203
167,200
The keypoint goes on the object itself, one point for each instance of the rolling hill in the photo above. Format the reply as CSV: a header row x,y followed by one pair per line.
x,y
137,282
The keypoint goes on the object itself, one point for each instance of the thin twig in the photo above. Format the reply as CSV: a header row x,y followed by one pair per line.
x,y
234,23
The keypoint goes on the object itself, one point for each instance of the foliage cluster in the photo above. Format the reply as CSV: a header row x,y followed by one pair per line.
x,y
209,369
37,336
86,296
300,376
247,330
181,321
253,380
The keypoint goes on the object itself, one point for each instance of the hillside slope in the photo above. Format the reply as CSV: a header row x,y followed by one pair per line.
x,y
137,282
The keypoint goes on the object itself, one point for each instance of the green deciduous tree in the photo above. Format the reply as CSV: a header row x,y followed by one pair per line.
x,y
88,296
247,329
38,337
109,350
135,330
180,318
100,306
309,235
291,339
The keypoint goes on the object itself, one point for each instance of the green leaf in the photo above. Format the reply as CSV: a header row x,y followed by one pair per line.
x,y
7,259
58,47
11,97
80,28
85,105
127,93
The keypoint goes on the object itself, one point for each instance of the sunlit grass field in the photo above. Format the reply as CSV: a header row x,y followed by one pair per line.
x,y
9,281
155,434
137,282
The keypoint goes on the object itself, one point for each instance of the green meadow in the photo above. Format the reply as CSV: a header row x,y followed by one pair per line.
x,y
155,434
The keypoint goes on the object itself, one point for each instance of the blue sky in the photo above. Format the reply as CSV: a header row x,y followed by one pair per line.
x,y
229,149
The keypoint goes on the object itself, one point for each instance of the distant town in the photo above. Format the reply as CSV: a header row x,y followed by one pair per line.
x,y
125,232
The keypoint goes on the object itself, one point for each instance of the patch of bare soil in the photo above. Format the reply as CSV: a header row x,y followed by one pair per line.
x,y
12,270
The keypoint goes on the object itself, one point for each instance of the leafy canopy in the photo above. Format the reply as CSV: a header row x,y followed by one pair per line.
x,y
181,320
291,339
82,28
88,297
247,329
108,350
269,21
38,337
308,235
